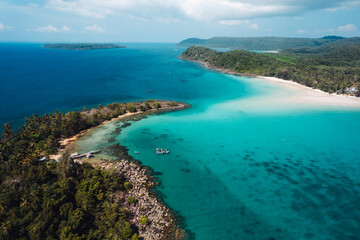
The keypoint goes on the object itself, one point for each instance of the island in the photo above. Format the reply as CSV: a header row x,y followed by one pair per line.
x,y
331,68
267,43
43,197
82,46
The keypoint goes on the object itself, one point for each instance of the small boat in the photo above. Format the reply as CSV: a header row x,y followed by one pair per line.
x,y
136,152
160,151
94,151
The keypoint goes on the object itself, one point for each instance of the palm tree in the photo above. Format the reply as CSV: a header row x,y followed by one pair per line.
x,y
8,132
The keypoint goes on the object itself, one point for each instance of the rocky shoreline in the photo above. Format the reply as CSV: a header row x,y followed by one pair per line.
x,y
161,221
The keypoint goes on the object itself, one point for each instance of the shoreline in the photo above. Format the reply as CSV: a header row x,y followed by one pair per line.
x,y
65,142
163,221
303,94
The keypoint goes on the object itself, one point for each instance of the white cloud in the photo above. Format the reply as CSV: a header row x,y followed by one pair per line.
x,y
344,5
202,10
300,31
239,22
94,28
65,29
48,28
207,10
5,27
51,28
347,27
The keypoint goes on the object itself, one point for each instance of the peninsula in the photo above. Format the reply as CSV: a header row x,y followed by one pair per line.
x,y
333,69
42,198
267,43
82,46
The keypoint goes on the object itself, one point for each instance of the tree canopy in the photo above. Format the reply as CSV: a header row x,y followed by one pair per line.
x,y
65,200
329,68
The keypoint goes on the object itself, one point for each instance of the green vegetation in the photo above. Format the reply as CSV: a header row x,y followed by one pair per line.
x,y
132,108
142,108
132,200
267,43
127,186
143,221
82,46
158,105
65,200
62,200
147,105
135,237
329,68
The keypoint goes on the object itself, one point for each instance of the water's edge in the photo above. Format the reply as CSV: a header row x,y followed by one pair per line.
x,y
176,228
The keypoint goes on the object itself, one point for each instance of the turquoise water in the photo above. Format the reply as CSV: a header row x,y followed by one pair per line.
x,y
243,164
257,176
274,174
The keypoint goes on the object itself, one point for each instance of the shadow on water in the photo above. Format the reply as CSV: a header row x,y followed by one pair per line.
x,y
324,196
211,204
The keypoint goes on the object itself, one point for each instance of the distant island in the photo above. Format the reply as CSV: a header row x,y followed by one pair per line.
x,y
331,68
267,43
82,46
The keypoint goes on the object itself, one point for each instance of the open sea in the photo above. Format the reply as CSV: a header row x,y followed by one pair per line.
x,y
251,173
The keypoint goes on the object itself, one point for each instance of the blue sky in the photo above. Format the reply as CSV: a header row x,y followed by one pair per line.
x,y
174,20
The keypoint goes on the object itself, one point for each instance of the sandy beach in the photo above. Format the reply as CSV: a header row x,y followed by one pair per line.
x,y
290,95
282,95
66,142
306,94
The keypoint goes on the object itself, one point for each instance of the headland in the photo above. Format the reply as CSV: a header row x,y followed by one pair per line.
x,y
147,204
332,69
299,94
105,199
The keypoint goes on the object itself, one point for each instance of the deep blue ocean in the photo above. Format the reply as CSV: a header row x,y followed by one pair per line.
x,y
239,168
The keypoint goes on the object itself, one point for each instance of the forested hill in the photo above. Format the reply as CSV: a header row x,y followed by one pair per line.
x,y
331,69
42,199
267,43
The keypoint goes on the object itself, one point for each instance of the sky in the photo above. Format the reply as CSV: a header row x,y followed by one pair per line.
x,y
174,20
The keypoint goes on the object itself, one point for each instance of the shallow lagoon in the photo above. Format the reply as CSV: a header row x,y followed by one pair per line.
x,y
284,173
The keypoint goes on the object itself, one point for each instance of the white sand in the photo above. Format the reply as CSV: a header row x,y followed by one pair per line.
x,y
303,94
290,95
67,143
278,95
